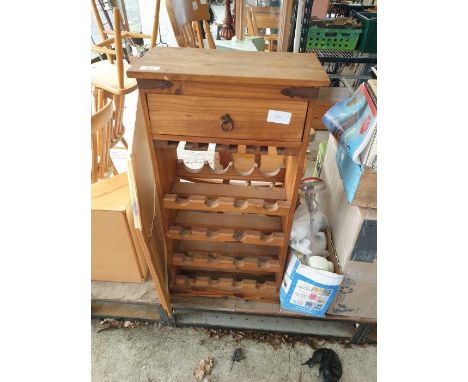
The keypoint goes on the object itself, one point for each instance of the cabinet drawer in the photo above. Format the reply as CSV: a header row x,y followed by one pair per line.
x,y
202,117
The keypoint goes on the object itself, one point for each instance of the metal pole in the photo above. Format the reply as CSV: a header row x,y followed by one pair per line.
x,y
298,31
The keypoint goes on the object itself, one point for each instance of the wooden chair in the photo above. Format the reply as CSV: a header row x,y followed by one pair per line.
x,y
261,18
188,19
109,75
101,129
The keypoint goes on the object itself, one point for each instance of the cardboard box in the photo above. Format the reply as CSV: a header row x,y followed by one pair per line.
x,y
354,234
334,194
357,296
116,254
309,290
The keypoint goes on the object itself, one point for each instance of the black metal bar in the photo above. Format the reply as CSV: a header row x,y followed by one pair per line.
x,y
344,56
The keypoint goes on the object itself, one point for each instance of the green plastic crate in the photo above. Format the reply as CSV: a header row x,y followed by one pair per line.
x,y
368,40
333,38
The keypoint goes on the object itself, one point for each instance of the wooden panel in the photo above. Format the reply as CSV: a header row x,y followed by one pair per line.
x,y
185,189
226,204
140,256
366,193
237,249
201,116
226,235
327,97
240,19
151,237
292,180
225,66
219,90
228,141
251,149
230,172
225,263
205,286
285,26
228,220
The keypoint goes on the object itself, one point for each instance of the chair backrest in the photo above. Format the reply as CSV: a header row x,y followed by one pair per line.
x,y
105,46
261,18
117,37
188,18
101,127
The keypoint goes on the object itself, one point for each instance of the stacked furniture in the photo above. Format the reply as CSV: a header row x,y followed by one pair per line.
x,y
108,76
226,230
190,21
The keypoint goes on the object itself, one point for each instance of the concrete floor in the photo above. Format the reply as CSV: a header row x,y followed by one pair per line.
x,y
171,355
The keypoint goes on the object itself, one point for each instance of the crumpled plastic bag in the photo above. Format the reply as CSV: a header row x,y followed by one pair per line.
x,y
303,236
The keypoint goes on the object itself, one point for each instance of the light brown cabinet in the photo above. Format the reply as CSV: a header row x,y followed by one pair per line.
x,y
225,230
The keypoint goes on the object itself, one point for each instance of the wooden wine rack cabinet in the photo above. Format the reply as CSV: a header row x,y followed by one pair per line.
x,y
226,228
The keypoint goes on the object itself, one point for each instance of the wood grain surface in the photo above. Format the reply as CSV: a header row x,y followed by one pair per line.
x,y
201,116
224,66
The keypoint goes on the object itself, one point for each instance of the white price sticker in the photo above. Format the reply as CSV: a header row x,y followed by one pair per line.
x,y
194,5
276,116
202,1
149,67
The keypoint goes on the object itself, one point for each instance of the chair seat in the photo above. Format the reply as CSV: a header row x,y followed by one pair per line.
x,y
104,76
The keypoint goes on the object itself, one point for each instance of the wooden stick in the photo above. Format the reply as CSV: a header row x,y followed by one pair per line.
x,y
209,37
118,48
104,43
226,204
225,263
107,51
136,35
154,33
240,19
100,105
95,97
94,162
199,34
225,285
100,27
191,34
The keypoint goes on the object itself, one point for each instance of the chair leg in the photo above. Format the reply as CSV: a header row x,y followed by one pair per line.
x,y
116,118
114,170
100,105
94,162
95,99
119,106
124,142
104,156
